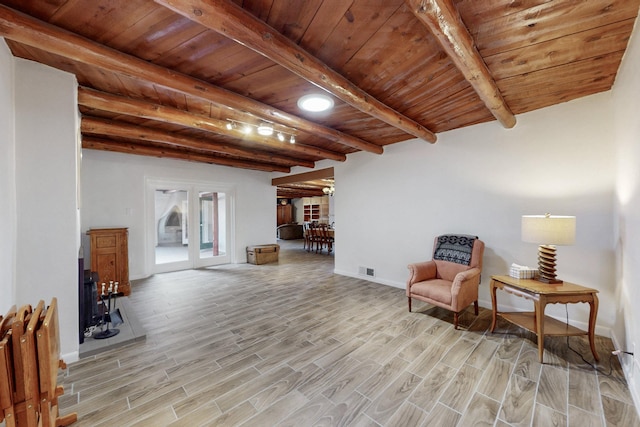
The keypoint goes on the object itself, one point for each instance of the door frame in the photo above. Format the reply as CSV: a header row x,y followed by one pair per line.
x,y
194,188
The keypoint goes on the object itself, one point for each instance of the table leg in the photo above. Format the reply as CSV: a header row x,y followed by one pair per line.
x,y
540,304
593,313
494,305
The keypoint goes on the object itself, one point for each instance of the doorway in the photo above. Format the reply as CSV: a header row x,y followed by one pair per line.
x,y
189,225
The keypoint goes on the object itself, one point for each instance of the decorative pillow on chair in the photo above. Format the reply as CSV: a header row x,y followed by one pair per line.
x,y
454,248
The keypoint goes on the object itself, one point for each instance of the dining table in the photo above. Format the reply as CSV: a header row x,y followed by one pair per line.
x,y
330,237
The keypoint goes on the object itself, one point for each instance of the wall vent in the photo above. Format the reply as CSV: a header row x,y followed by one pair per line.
x,y
366,271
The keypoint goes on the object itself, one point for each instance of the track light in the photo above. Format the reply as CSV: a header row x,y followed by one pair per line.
x,y
265,129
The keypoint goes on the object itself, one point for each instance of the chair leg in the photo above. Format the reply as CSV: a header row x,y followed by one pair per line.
x,y
455,320
475,306
409,298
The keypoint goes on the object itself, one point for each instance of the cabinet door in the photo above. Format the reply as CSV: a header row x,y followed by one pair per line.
x,y
104,257
285,214
109,257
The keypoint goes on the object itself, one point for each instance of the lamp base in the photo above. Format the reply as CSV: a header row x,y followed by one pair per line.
x,y
549,281
547,264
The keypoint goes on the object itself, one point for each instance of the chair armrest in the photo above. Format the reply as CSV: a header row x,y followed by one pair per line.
x,y
465,276
465,286
421,271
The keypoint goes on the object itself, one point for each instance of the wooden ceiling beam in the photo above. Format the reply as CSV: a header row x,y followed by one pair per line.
x,y
93,99
230,20
164,151
443,20
292,193
302,177
110,128
25,29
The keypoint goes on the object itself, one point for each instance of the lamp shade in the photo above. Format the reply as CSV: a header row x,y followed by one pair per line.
x,y
549,229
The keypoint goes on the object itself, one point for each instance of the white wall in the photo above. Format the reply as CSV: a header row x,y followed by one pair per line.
x,y
626,100
113,194
298,208
480,180
46,129
7,180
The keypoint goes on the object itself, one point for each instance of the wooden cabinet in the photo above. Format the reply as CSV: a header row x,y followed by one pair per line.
x,y
110,257
285,214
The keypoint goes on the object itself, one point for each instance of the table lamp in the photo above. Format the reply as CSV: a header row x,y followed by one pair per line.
x,y
548,231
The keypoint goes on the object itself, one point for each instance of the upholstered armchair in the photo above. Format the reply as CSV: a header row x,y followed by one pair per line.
x,y
451,279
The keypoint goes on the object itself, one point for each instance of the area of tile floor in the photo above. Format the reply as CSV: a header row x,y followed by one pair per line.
x,y
292,344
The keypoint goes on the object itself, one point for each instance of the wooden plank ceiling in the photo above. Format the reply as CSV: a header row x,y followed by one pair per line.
x,y
165,78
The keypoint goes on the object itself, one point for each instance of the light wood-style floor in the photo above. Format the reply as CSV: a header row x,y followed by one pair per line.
x,y
292,344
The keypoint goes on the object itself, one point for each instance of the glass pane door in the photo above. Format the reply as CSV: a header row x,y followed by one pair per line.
x,y
171,226
208,223
213,227
189,225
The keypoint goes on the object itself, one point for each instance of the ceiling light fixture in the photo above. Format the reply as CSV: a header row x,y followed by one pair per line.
x,y
315,102
265,129
329,190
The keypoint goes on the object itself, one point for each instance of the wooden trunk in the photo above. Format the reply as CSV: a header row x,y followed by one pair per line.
x,y
262,254
110,258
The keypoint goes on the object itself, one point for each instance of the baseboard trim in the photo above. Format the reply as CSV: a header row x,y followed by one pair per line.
x,y
627,369
371,279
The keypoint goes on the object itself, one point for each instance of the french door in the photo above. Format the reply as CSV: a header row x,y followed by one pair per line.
x,y
189,225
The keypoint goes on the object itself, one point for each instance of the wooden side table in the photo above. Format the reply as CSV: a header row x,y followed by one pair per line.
x,y
542,294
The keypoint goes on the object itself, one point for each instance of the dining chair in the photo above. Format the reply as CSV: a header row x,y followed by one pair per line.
x,y
316,237
306,235
326,238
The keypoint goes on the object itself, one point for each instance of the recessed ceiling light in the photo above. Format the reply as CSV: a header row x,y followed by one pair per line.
x,y
315,102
